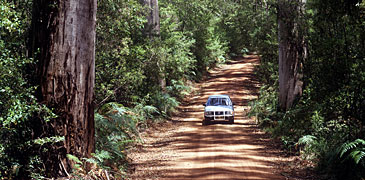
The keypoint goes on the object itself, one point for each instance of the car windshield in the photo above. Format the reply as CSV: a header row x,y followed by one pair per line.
x,y
218,102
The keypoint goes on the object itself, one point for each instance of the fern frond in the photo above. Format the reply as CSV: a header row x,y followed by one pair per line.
x,y
354,150
360,141
351,145
150,109
115,129
74,158
357,156
307,140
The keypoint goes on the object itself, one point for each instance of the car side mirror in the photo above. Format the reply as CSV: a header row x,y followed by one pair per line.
x,y
204,104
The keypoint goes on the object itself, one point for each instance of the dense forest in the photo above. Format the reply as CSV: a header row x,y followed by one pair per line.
x,y
80,79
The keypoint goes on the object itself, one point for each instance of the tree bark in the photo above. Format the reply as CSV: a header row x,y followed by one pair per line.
x,y
152,28
152,31
64,33
292,51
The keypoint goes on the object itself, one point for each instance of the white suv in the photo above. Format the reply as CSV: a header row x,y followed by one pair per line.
x,y
218,108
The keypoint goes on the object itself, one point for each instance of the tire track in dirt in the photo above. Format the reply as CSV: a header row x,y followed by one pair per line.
x,y
217,151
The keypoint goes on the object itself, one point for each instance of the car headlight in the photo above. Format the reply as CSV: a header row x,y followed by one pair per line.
x,y
229,113
209,113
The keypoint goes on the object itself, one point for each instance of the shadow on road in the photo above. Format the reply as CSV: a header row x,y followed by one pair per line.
x,y
220,150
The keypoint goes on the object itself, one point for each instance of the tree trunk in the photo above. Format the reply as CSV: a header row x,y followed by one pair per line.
x,y
64,33
152,30
292,51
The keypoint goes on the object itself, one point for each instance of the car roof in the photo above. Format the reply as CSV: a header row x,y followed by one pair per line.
x,y
219,96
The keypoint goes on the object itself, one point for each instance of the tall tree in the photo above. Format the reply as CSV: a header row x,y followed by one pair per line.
x,y
292,51
152,31
64,33
152,28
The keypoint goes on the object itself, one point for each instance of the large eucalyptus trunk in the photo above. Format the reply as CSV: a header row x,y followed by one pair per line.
x,y
152,31
152,28
64,33
292,51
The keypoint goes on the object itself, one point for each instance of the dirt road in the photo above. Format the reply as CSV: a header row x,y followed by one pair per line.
x,y
184,149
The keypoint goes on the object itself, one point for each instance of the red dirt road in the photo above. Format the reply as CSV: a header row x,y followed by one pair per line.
x,y
184,149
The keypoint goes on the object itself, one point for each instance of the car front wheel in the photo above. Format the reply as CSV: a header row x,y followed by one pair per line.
x,y
205,122
231,121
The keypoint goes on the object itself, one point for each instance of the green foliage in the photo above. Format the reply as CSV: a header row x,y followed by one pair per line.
x,y
354,150
307,140
312,147
45,140
116,129
76,160
330,111
265,109
250,26
99,157
347,160
130,65
21,116
119,49
178,89
343,96
199,20
336,76
9,18
164,103
179,60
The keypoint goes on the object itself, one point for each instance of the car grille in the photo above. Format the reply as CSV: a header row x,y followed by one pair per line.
x,y
219,113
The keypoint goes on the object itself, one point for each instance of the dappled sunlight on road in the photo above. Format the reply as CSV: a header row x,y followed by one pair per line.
x,y
220,150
